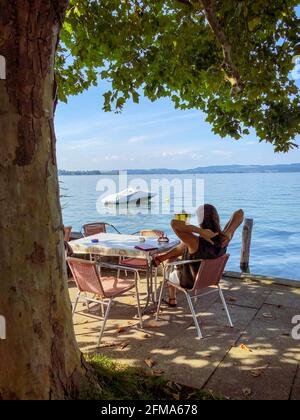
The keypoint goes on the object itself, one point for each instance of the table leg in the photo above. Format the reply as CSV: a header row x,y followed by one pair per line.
x,y
148,290
153,292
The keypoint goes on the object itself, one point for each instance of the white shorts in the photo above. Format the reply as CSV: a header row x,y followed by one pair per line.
x,y
173,278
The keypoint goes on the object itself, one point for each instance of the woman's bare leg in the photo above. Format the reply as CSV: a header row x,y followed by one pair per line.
x,y
172,294
170,257
233,224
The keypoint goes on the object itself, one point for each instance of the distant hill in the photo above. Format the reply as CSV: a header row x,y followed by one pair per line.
x,y
228,169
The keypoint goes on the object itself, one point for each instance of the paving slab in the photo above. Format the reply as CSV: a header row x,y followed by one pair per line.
x,y
295,394
257,359
259,375
248,294
286,297
264,362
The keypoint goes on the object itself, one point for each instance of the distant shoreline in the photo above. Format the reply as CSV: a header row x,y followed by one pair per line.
x,y
229,169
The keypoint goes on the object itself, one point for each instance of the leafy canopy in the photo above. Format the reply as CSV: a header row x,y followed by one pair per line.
x,y
168,49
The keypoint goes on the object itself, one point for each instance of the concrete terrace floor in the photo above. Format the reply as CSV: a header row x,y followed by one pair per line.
x,y
257,359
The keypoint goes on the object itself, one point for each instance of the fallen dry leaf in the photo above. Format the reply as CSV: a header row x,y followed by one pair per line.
x,y
256,373
231,299
158,372
153,324
108,345
150,363
268,315
247,392
120,330
245,348
123,345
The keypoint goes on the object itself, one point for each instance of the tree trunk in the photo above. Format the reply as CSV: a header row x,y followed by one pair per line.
x,y
39,358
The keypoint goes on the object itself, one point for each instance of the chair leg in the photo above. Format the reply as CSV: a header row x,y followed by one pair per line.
x,y
119,271
104,322
102,310
160,297
76,302
192,309
87,302
225,306
138,302
155,284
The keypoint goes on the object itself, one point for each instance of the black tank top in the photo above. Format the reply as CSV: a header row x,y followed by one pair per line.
x,y
206,251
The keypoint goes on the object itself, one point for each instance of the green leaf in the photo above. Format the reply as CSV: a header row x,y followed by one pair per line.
x,y
167,50
254,23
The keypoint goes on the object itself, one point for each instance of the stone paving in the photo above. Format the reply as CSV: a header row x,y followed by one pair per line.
x,y
257,359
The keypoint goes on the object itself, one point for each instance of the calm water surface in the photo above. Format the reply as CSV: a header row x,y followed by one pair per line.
x,y
272,200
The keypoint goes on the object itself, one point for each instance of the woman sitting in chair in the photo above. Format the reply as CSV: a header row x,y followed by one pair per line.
x,y
206,241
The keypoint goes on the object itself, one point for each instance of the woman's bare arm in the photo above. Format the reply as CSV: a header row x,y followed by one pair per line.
x,y
231,227
189,234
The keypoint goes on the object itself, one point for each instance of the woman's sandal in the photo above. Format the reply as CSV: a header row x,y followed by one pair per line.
x,y
168,301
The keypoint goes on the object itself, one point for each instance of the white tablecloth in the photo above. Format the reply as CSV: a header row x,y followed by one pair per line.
x,y
120,245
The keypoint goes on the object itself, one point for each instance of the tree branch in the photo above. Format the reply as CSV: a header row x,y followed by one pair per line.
x,y
185,2
232,73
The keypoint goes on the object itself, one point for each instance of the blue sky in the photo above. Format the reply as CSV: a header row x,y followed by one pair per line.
x,y
148,135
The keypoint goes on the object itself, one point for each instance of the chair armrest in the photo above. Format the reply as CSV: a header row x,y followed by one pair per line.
x,y
117,267
179,262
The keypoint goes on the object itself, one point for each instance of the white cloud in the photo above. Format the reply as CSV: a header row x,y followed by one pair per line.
x,y
138,139
186,154
83,144
113,122
119,158
223,153
155,121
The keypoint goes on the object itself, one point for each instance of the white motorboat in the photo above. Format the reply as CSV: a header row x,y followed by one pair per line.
x,y
130,195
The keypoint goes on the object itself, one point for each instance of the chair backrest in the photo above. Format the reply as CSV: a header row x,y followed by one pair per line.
x,y
86,276
210,272
93,229
67,233
152,233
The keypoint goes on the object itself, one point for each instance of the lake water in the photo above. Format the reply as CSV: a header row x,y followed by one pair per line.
x,y
272,200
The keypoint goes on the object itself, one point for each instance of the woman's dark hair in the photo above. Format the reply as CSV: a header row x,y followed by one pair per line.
x,y
212,221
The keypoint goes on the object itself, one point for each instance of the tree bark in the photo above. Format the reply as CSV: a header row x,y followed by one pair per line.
x,y
39,358
229,67
231,72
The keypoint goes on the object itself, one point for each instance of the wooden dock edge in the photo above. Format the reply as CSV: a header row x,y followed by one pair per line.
x,y
261,279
